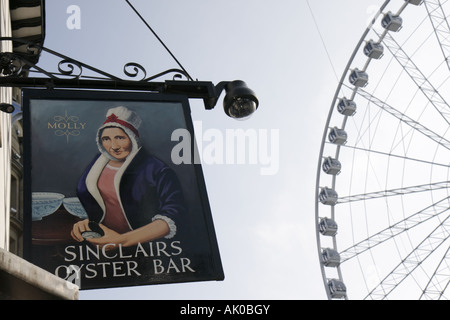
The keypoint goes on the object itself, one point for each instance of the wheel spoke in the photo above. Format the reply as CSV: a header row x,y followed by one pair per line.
x,y
394,230
440,280
405,119
388,154
417,256
427,88
441,27
395,192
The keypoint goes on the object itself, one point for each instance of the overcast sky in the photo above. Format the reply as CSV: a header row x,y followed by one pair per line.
x,y
264,219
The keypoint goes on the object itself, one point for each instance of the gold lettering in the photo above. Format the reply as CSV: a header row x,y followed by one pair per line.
x,y
66,126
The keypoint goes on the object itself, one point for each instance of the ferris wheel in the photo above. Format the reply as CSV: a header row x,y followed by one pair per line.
x,y
383,177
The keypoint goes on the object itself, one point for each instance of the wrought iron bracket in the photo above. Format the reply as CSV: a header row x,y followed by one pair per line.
x,y
15,71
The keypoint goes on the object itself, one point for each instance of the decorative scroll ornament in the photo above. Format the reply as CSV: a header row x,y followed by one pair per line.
x,y
20,69
12,64
137,68
67,67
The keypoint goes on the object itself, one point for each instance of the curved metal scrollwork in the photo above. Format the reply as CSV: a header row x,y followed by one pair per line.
x,y
136,68
12,64
17,69
177,74
67,67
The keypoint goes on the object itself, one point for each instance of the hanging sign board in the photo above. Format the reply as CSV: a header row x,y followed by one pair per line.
x,y
110,197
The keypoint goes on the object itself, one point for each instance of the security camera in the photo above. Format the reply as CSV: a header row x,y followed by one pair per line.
x,y
240,101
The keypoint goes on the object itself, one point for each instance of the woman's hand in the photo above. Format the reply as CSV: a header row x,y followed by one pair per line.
x,y
111,238
79,228
154,230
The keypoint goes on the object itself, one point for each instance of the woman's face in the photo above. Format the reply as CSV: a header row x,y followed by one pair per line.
x,y
117,143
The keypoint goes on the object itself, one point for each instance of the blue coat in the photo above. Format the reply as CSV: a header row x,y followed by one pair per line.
x,y
148,189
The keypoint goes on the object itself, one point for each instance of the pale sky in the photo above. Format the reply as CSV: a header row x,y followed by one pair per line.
x,y
264,224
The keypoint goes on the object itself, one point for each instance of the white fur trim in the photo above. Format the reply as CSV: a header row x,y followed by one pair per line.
x,y
92,179
170,222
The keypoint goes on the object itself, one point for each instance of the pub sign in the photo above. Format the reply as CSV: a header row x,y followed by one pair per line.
x,y
107,201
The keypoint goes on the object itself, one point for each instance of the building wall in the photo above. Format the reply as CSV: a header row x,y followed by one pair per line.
x,y
16,205
19,279
25,20
5,134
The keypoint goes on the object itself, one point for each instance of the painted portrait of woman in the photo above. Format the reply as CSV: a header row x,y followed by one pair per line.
x,y
132,195
144,218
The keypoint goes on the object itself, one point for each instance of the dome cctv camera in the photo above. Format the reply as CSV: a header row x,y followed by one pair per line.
x,y
240,101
